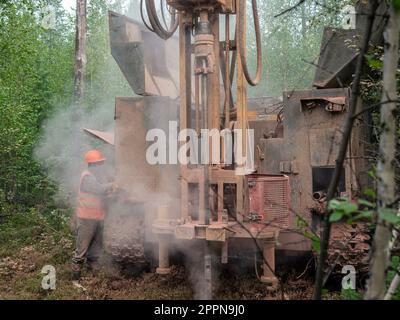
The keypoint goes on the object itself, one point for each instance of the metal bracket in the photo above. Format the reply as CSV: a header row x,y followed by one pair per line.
x,y
186,232
289,167
216,233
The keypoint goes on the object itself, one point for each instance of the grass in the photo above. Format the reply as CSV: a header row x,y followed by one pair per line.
x,y
30,239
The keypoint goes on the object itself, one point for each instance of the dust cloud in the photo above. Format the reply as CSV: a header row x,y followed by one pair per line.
x,y
61,151
63,144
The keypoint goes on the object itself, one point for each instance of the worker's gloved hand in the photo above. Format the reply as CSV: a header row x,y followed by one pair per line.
x,y
114,189
109,188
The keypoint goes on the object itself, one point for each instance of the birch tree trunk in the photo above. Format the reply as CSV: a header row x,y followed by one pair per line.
x,y
396,280
80,52
385,171
393,286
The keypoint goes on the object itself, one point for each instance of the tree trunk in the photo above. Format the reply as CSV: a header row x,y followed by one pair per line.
x,y
393,286
386,171
396,280
80,52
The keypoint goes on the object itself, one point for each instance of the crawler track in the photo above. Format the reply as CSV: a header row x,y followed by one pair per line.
x,y
124,235
349,245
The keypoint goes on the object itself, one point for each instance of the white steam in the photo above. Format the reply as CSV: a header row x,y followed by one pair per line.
x,y
64,143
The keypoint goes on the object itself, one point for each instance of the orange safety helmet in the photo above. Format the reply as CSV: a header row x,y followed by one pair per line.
x,y
94,156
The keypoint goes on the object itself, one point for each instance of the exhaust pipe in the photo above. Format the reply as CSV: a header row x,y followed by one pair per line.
x,y
319,196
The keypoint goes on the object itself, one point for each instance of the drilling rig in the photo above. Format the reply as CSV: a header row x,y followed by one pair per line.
x,y
192,67
213,207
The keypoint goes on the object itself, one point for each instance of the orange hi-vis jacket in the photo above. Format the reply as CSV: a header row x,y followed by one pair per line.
x,y
89,206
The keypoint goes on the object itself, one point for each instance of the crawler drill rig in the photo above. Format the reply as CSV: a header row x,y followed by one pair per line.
x,y
220,205
204,59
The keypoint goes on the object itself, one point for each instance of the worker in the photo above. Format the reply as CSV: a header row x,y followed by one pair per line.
x,y
90,214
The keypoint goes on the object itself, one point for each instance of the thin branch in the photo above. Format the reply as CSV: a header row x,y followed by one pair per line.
x,y
290,9
373,107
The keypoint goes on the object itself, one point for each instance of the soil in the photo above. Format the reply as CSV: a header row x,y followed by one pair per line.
x,y
21,278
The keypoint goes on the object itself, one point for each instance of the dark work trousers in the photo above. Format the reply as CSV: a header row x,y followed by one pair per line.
x,y
89,244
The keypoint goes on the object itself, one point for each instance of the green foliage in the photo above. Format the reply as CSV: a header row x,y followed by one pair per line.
x,y
389,215
350,294
396,4
104,79
291,42
20,228
36,81
371,84
395,263
315,241
374,63
37,65
97,50
302,224
370,193
342,208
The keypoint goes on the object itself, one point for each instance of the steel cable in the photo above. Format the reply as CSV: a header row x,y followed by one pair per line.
x,y
164,19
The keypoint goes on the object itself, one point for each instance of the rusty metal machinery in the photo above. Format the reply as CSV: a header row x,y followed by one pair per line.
x,y
214,205
218,204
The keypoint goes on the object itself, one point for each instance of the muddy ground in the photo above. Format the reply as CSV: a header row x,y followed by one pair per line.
x,y
20,278
28,242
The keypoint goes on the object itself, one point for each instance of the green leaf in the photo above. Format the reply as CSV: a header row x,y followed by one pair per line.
x,y
366,203
334,204
349,221
350,294
343,206
324,291
349,208
315,241
364,215
389,215
395,262
316,245
336,216
300,222
370,193
375,64
396,4
371,173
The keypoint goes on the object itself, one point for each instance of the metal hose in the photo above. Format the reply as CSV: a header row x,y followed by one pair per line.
x,y
242,42
143,19
155,22
164,19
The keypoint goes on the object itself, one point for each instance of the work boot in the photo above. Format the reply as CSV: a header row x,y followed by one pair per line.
x,y
76,275
93,267
76,271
